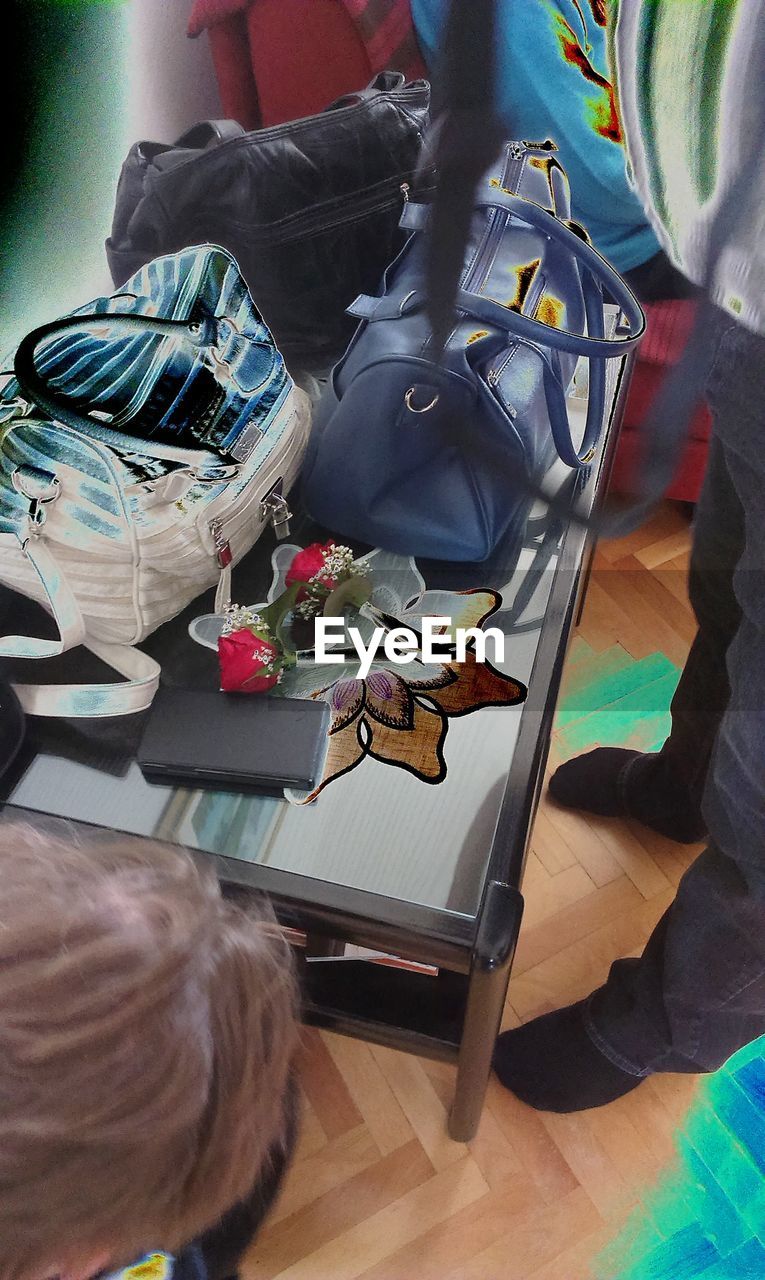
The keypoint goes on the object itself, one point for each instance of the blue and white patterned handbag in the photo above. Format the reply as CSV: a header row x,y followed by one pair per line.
x,y
145,443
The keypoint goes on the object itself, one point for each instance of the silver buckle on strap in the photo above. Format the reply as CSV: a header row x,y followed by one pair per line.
x,y
39,488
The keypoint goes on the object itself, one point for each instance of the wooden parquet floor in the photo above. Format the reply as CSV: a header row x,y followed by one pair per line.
x,y
378,1190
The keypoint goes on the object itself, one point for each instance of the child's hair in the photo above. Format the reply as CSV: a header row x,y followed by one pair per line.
x,y
147,1031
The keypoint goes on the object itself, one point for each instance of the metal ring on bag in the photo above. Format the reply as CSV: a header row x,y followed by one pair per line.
x,y
34,485
425,408
231,324
39,488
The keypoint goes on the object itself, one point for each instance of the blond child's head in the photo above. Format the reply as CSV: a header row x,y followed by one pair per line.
x,y
147,1029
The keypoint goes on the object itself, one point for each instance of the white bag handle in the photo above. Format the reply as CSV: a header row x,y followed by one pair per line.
x,y
76,700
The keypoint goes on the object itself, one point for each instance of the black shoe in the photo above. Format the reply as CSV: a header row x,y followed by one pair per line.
x,y
615,783
552,1064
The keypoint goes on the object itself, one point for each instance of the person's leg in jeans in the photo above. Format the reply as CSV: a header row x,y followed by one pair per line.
x,y
664,789
669,786
698,991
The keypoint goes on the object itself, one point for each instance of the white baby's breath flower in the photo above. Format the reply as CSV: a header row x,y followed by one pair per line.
x,y
239,617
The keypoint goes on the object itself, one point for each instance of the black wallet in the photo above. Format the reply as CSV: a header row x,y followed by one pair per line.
x,y
230,741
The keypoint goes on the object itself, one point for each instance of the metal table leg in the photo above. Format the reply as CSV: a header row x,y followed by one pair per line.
x,y
585,582
489,976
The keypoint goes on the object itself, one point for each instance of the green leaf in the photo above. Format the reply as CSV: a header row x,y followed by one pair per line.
x,y
275,616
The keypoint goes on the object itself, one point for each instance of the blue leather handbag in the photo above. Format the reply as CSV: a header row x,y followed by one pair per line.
x,y
435,458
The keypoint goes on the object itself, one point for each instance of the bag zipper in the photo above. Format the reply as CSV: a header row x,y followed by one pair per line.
x,y
276,508
273,508
313,221
484,259
517,153
223,553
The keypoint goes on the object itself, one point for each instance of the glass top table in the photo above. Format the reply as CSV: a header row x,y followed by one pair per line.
x,y
415,843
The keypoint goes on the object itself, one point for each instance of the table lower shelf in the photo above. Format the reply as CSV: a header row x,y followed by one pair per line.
x,y
417,1012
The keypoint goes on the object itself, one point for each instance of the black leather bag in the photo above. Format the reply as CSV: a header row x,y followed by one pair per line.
x,y
309,209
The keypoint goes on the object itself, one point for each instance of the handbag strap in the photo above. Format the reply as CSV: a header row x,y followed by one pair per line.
x,y
208,133
127,697
60,597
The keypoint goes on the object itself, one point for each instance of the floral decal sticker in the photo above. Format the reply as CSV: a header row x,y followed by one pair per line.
x,y
399,716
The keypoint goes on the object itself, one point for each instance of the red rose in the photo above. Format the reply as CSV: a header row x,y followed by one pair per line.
x,y
242,656
307,564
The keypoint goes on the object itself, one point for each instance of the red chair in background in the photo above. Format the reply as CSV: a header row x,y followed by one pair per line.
x,y
668,330
278,60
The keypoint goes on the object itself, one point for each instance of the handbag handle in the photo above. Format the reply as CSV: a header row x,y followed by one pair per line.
x,y
209,132
595,346
385,82
541,337
557,409
35,388
415,218
494,313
